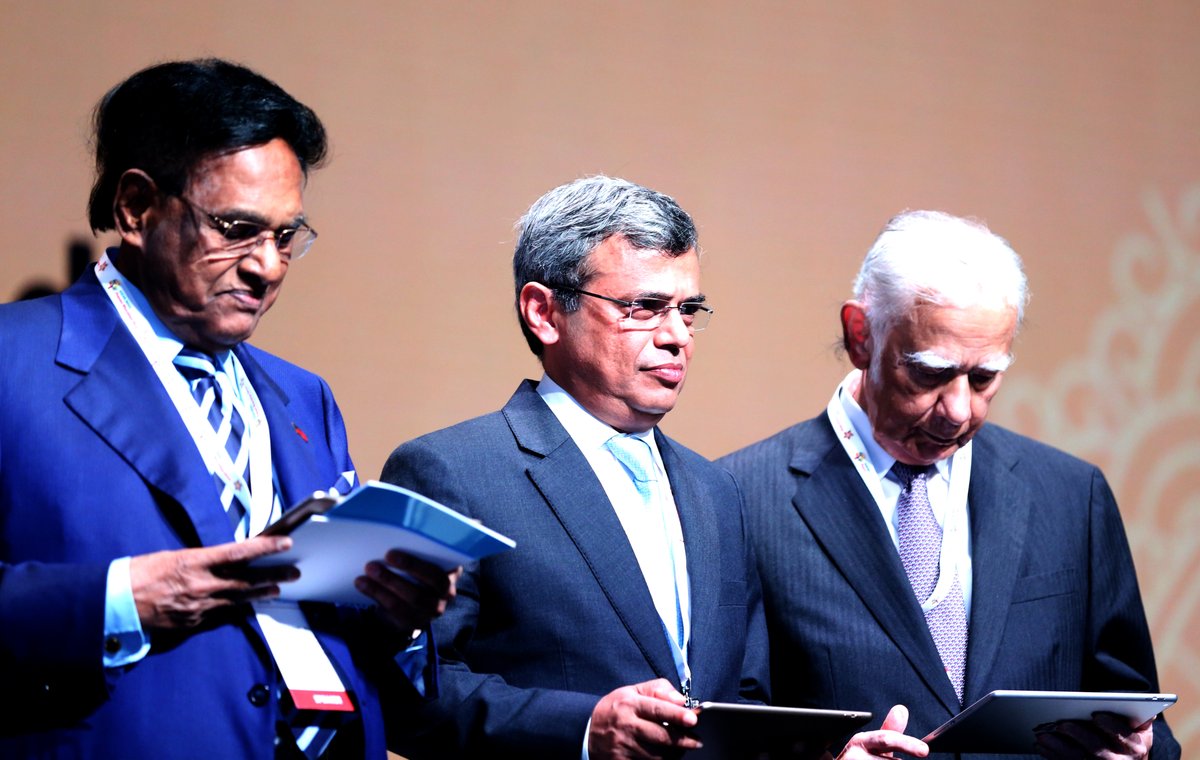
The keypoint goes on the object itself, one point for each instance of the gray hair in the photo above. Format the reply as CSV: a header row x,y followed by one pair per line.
x,y
565,225
934,257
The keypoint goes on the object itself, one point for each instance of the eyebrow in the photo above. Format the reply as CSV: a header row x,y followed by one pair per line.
x,y
698,298
240,215
934,361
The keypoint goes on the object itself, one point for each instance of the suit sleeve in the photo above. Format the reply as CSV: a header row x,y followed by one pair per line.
x,y
1122,657
478,714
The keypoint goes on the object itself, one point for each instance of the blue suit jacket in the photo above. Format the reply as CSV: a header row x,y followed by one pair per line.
x,y
1055,601
95,464
537,635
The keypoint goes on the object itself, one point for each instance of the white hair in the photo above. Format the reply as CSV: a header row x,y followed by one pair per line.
x,y
934,257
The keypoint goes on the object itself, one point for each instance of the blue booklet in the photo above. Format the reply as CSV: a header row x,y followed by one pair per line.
x,y
336,536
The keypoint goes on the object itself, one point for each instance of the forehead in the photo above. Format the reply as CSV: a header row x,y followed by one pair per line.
x,y
620,266
962,336
266,178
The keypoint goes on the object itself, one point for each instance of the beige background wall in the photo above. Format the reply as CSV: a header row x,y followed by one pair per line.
x,y
791,131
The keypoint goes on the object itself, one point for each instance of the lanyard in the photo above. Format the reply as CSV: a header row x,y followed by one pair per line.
x,y
259,500
954,523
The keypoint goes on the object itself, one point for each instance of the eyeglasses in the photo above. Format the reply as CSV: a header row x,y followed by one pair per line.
x,y
649,313
242,237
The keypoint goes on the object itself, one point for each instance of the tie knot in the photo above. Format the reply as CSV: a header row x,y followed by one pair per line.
x,y
907,473
195,364
634,453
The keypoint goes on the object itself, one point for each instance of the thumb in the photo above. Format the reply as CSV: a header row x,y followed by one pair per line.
x,y
896,720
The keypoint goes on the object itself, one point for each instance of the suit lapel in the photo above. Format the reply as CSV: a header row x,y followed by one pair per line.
x,y
574,494
121,398
843,517
291,456
999,504
701,526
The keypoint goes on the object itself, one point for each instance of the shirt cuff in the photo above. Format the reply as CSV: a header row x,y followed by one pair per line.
x,y
124,641
414,659
586,733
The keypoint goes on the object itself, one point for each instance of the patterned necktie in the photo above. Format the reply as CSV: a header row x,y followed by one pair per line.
x,y
211,390
634,453
920,552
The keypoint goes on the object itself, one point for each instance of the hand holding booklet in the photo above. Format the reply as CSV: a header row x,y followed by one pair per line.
x,y
334,537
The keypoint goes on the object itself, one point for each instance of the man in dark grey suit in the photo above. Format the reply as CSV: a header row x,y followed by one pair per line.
x,y
910,554
631,592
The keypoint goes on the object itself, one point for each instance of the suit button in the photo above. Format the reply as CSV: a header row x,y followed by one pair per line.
x,y
259,694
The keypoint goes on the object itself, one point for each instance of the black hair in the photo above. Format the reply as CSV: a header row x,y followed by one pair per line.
x,y
166,118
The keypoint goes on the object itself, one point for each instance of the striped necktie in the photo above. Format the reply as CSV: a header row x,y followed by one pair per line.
x,y
210,387
920,539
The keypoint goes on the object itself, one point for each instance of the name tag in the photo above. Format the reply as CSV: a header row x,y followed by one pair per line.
x,y
309,676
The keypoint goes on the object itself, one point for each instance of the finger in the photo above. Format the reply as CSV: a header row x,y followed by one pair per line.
x,y
425,573
896,720
243,551
661,711
660,688
881,742
412,593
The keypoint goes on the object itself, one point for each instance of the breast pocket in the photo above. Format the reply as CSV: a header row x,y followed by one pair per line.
x,y
1044,585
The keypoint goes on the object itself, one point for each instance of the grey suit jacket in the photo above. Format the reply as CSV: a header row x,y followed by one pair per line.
x,y
538,635
1055,602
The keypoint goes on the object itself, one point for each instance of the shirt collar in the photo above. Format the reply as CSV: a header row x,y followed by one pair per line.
x,y
880,459
166,343
585,429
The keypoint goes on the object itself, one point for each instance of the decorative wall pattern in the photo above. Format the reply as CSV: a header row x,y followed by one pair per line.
x,y
1130,402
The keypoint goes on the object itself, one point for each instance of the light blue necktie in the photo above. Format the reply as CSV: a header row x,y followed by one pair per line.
x,y
635,455
200,371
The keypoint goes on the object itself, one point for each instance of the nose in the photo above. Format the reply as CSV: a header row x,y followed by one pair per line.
x,y
265,261
956,400
673,331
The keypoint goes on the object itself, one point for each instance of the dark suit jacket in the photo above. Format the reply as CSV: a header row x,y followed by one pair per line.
x,y
95,463
537,635
1055,601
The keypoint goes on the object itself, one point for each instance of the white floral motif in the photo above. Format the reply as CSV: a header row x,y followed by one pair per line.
x,y
1131,404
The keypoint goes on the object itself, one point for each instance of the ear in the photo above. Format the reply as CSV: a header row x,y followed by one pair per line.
x,y
856,334
540,311
133,206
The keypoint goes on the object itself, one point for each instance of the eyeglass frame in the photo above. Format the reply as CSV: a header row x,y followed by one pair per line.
x,y
251,244
662,315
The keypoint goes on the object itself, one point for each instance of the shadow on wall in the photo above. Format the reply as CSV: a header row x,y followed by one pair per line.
x,y
79,255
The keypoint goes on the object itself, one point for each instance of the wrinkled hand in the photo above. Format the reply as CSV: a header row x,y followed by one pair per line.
x,y
888,739
1106,736
412,597
629,722
176,589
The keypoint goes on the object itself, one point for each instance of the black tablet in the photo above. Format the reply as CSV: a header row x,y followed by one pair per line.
x,y
736,731
1006,721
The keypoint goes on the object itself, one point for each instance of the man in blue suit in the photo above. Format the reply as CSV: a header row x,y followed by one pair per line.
x,y
911,554
144,444
632,592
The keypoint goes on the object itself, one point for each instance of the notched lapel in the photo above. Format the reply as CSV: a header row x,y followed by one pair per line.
x,y
292,455
573,492
122,400
701,524
999,502
843,517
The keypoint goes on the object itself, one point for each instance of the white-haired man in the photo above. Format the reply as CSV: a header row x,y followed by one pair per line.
x,y
908,553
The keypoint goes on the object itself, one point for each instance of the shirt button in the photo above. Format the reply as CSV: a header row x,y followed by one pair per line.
x,y
112,645
259,694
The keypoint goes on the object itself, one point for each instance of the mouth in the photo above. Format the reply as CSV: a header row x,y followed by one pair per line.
x,y
246,300
940,441
671,374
